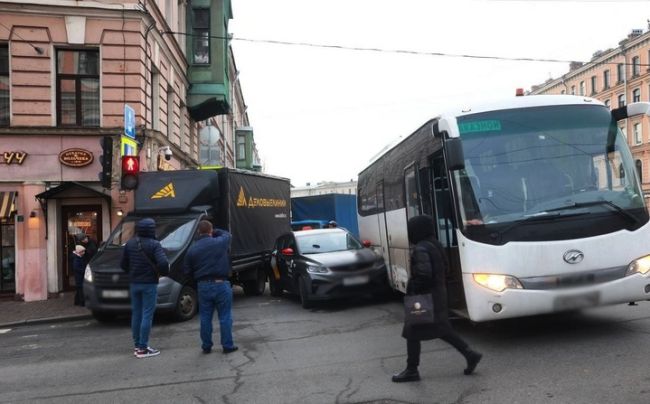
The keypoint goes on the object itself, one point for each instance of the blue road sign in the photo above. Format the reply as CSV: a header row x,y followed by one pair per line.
x,y
129,121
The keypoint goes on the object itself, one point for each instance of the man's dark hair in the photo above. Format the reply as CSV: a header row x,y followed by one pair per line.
x,y
205,227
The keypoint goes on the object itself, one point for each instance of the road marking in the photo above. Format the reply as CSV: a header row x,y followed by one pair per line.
x,y
5,330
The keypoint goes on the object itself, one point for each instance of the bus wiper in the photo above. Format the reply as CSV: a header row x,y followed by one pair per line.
x,y
611,205
539,216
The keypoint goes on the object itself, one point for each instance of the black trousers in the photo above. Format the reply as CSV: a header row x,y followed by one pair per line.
x,y
79,293
413,347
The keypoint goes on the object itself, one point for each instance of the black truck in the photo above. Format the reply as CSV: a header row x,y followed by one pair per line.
x,y
253,207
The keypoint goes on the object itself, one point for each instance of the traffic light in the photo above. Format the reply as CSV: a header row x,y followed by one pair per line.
x,y
130,170
106,160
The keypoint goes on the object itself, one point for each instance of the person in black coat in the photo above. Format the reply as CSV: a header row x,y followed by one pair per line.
x,y
78,268
428,275
90,245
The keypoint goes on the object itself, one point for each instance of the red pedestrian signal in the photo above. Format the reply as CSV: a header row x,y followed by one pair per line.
x,y
130,170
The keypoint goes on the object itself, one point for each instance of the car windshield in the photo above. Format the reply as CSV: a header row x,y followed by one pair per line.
x,y
525,162
173,233
323,242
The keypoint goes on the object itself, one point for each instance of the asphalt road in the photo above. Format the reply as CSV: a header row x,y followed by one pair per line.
x,y
339,353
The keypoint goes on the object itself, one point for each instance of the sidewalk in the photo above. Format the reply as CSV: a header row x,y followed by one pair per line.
x,y
60,308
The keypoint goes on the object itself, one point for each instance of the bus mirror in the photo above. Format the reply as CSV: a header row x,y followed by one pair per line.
x,y
455,157
633,109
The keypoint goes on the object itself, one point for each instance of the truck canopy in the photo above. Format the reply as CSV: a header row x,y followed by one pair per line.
x,y
342,208
167,192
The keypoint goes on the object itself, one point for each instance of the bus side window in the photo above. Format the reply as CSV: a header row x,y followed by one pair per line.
x,y
411,193
425,192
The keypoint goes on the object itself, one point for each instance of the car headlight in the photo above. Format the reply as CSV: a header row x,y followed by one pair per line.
x,y
317,270
88,274
639,266
496,282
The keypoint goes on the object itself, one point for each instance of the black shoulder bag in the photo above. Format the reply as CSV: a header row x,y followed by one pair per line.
x,y
155,268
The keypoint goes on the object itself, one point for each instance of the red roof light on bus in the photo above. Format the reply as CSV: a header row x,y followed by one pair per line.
x,y
519,92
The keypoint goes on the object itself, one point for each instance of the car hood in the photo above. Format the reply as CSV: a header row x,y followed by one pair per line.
x,y
337,258
107,260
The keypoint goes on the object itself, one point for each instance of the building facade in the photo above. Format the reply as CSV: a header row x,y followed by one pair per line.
x,y
67,70
616,77
322,188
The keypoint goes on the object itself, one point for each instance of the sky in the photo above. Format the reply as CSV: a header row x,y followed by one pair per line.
x,y
322,114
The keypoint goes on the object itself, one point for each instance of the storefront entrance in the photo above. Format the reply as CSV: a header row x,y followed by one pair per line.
x,y
76,222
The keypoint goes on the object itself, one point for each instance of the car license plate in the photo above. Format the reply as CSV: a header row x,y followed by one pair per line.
x,y
115,294
355,280
578,301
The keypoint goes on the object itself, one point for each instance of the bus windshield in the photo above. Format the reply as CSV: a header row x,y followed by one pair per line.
x,y
545,162
173,233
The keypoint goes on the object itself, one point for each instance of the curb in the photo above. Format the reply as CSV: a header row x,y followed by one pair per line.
x,y
35,321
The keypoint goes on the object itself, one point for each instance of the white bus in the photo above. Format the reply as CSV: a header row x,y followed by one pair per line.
x,y
537,201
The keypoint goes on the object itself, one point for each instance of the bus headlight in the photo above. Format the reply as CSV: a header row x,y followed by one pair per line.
x,y
639,266
88,274
496,282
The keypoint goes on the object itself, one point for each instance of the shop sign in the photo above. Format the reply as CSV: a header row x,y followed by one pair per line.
x,y
163,165
75,157
13,157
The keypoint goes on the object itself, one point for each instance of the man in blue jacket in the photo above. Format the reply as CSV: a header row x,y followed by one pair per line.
x,y
145,261
207,261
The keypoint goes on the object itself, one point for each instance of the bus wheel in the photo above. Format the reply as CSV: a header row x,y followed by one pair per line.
x,y
103,316
256,286
186,305
305,298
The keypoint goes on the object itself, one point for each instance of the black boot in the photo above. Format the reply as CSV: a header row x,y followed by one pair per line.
x,y
473,358
408,375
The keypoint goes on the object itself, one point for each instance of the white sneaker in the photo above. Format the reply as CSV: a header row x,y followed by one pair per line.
x,y
145,353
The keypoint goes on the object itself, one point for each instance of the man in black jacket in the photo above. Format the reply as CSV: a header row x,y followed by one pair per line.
x,y
145,261
207,261
428,275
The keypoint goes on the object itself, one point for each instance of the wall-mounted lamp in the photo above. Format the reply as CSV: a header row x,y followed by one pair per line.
x,y
120,212
32,213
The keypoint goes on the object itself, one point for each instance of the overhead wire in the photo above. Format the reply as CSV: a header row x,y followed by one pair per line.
x,y
395,51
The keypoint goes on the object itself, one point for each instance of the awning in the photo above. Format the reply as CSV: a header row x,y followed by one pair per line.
x,y
7,204
72,190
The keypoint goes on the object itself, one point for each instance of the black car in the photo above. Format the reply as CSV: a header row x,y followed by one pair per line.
x,y
323,264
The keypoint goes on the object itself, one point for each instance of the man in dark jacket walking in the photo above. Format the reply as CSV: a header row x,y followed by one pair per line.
x,y
207,261
144,259
79,268
428,275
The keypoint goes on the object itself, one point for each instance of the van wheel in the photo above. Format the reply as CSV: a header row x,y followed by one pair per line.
x,y
186,305
256,286
103,316
305,296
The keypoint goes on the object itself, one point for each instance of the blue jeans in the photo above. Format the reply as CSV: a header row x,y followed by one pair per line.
x,y
143,305
219,295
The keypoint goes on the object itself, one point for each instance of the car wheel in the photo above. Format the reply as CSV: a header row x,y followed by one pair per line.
x,y
305,295
186,305
256,286
103,316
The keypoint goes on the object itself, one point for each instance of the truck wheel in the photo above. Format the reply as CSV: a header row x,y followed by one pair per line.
x,y
103,316
305,296
256,286
186,305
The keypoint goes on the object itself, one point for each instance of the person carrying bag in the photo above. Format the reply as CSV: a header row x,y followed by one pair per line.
x,y
428,278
